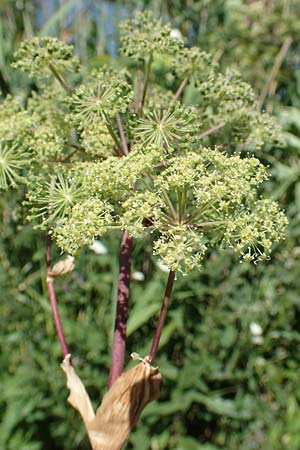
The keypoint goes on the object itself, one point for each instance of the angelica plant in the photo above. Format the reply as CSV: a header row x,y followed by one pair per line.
x,y
119,151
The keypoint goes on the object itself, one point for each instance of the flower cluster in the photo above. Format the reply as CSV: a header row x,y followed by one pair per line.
x,y
89,219
16,123
194,64
253,233
228,92
15,134
11,165
145,35
180,248
229,103
99,160
51,196
141,211
101,97
96,139
169,128
44,56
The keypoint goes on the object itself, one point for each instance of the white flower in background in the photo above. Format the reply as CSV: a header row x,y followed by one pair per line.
x,y
138,276
98,247
258,340
256,331
176,34
162,266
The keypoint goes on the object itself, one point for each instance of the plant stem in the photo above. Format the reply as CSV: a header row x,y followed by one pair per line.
x,y
60,79
122,134
275,70
170,205
180,89
52,297
119,339
148,70
113,135
162,316
211,130
138,88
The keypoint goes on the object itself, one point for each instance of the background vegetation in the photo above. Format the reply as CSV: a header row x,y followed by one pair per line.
x,y
230,349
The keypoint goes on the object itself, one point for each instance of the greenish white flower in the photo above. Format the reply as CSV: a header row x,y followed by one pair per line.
x,y
87,220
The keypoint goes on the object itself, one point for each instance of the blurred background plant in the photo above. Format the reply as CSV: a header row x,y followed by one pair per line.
x,y
231,344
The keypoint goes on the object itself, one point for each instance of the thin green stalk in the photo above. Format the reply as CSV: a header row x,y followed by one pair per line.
x,y
170,205
181,198
122,134
275,70
199,212
147,78
60,79
113,134
212,223
138,88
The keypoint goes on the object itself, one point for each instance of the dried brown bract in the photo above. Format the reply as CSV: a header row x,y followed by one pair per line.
x,y
121,406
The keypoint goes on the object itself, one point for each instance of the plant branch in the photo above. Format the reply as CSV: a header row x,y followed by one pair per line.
x,y
119,339
122,134
274,71
53,301
180,89
211,130
162,316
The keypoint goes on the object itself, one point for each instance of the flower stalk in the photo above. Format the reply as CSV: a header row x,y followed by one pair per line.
x,y
147,78
162,316
53,301
180,89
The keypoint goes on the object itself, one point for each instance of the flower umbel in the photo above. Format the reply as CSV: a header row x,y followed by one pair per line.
x,y
145,35
11,164
104,94
54,198
168,128
43,56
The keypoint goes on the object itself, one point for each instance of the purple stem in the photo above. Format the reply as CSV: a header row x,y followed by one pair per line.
x,y
162,315
52,297
119,339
